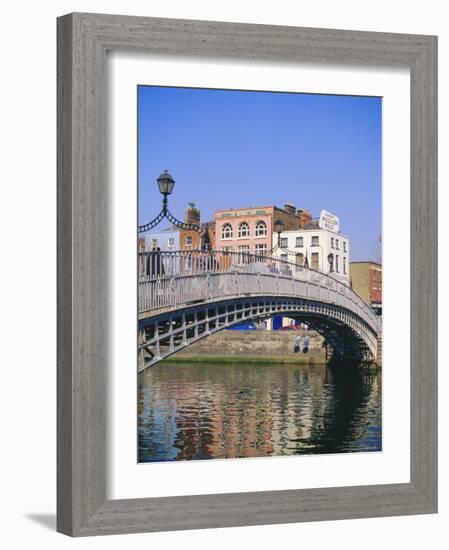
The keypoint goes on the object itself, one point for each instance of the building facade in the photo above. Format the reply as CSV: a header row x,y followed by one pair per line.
x,y
190,239
166,239
250,230
366,279
314,247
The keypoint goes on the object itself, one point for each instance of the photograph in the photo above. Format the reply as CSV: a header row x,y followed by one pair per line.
x,y
259,261
210,193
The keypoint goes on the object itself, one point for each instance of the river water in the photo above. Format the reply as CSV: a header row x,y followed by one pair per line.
x,y
191,411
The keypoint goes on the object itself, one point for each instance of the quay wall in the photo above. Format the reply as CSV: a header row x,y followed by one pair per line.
x,y
257,344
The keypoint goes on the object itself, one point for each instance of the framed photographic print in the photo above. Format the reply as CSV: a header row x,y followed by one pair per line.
x,y
244,213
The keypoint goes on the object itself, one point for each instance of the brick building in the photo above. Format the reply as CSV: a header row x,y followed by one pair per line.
x,y
190,239
366,279
251,229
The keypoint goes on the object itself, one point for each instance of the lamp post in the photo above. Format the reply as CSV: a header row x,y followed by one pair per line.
x,y
279,228
166,183
330,259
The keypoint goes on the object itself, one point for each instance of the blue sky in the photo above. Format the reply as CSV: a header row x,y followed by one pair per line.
x,y
232,149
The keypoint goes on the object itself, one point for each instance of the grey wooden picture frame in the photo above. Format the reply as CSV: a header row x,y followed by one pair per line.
x,y
83,41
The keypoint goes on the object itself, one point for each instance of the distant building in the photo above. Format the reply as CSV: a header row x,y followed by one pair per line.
x,y
250,229
191,239
141,244
366,279
141,247
318,245
165,239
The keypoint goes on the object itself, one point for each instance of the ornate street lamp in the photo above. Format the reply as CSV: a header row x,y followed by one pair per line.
x,y
166,183
279,228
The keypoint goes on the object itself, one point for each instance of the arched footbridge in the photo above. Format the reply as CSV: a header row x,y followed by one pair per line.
x,y
188,295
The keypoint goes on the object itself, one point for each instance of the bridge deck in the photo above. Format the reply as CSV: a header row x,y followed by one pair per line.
x,y
172,283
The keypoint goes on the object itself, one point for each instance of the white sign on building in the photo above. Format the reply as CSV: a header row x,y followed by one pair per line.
x,y
329,221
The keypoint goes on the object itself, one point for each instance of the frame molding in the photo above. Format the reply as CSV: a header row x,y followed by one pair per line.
x,y
83,40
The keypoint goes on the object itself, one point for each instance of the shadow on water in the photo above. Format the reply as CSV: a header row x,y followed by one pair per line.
x,y
200,411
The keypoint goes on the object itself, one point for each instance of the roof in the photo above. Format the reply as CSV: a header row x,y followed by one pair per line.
x,y
165,175
243,208
312,224
370,262
246,208
315,229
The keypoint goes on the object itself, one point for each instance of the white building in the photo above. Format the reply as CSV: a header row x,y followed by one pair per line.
x,y
320,245
165,239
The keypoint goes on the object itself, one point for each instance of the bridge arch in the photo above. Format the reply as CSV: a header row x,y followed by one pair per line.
x,y
349,338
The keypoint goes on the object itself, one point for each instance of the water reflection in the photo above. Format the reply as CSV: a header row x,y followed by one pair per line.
x,y
198,411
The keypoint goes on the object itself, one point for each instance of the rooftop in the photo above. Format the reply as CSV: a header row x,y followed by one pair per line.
x,y
370,262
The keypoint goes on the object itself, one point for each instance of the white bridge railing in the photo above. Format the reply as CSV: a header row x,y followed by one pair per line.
x,y
172,279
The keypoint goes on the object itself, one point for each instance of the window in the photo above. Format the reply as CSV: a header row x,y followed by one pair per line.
x,y
284,242
299,242
315,259
261,249
226,231
188,242
227,249
344,266
243,230
337,245
299,261
171,243
345,246
284,257
332,242
243,254
337,267
261,229
315,240
153,244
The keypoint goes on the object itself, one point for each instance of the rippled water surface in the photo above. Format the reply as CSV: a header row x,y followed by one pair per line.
x,y
196,411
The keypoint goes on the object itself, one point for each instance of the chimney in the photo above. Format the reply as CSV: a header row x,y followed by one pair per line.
x,y
192,214
304,217
290,208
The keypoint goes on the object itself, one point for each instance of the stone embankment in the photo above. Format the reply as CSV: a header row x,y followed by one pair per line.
x,y
256,346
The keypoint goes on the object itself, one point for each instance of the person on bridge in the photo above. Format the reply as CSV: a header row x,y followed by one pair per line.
x,y
155,265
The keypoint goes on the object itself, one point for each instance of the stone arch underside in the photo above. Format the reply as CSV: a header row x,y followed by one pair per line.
x,y
349,340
